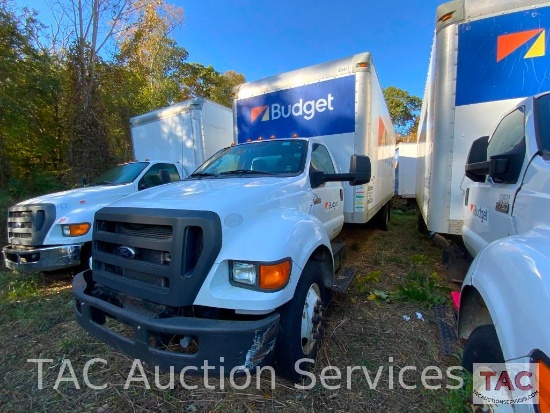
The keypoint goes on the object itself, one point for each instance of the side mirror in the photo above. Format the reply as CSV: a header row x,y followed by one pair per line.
x,y
359,173
316,178
477,167
360,166
506,167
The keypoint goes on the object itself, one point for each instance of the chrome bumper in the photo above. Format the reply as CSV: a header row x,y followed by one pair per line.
x,y
41,259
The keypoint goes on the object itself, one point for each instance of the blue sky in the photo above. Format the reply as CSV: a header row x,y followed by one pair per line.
x,y
263,38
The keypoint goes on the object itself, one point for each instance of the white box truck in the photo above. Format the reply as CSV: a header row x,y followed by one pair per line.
x,y
486,56
505,297
405,171
233,266
342,104
54,231
189,132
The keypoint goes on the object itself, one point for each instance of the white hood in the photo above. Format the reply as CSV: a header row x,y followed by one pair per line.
x,y
101,194
221,195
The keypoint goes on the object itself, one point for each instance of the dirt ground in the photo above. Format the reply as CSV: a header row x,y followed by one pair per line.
x,y
382,329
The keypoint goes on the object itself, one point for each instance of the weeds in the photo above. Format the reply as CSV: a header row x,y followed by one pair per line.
x,y
422,288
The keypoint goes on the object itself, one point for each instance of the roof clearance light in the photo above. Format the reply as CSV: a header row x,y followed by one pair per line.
x,y
272,137
446,16
362,64
294,135
260,138
249,140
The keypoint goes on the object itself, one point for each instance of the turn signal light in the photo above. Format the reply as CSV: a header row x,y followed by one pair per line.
x,y
544,387
273,277
75,230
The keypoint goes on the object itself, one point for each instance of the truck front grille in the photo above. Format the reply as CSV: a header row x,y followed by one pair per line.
x,y
159,255
28,225
139,230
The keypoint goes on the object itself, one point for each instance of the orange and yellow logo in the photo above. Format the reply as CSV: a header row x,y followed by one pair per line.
x,y
258,111
509,43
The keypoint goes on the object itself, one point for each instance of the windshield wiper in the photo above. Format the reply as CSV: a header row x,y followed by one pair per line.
x,y
201,175
244,172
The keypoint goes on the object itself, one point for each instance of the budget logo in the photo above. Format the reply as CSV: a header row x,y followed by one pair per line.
x,y
258,111
509,43
305,109
480,213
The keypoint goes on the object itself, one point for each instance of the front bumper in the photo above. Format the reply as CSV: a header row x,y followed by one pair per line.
x,y
242,344
43,258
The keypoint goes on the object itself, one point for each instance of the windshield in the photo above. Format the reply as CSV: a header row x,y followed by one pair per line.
x,y
121,174
276,157
543,122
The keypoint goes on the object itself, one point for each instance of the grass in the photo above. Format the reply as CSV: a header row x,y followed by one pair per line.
x,y
365,327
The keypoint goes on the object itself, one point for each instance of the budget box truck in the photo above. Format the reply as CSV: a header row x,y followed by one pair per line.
x,y
505,296
303,104
486,56
54,231
234,265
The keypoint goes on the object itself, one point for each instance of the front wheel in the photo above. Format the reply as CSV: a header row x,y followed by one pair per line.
x,y
482,347
301,324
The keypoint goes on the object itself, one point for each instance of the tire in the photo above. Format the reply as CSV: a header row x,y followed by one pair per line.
x,y
384,217
482,347
421,225
300,330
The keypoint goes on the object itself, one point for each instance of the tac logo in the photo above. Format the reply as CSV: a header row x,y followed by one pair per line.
x,y
509,43
304,109
506,384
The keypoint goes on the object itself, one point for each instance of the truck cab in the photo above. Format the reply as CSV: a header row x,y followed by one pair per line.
x,y
505,299
238,253
54,231
501,199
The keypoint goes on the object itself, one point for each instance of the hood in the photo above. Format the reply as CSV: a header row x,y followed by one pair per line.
x,y
223,196
95,195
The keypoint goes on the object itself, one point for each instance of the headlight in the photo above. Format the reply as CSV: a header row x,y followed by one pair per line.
x,y
264,276
75,230
244,272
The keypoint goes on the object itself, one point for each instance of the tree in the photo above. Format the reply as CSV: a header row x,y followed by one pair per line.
x,y
30,94
199,80
147,50
404,111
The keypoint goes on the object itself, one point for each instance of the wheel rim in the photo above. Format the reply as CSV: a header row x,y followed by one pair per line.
x,y
311,319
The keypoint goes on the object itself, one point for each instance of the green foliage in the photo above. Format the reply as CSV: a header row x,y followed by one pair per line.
x,y
364,280
29,99
422,288
404,110
65,110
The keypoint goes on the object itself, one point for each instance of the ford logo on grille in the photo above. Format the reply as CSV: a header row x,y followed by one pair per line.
x,y
126,252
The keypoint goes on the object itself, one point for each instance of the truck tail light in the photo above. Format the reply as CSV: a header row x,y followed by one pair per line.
x,y
75,230
274,277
